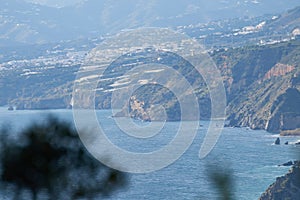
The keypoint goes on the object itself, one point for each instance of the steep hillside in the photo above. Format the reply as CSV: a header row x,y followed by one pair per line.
x,y
262,84
263,87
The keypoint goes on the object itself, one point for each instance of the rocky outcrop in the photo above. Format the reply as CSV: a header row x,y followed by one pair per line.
x,y
289,163
10,108
138,110
286,187
295,132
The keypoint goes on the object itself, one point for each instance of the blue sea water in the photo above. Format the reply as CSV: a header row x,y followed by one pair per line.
x,y
250,155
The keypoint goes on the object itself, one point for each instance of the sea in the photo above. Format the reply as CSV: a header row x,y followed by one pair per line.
x,y
250,157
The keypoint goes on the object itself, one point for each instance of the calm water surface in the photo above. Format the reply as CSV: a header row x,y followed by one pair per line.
x,y
249,154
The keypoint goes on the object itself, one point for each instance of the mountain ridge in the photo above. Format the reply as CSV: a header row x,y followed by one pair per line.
x,y
25,22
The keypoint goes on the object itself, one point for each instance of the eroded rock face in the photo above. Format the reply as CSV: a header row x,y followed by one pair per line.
x,y
283,122
285,112
279,70
285,187
273,105
263,87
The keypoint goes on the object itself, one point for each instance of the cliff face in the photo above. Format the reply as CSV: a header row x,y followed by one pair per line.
x,y
274,107
264,93
262,84
286,187
285,112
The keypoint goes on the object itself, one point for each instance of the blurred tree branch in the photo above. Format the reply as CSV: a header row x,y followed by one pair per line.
x,y
50,157
222,179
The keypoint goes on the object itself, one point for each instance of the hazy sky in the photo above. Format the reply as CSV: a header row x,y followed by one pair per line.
x,y
272,5
56,3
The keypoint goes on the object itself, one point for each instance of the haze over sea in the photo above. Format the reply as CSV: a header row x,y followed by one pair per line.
x,y
250,155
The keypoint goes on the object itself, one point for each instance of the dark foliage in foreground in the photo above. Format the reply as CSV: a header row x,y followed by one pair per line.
x,y
49,158
222,179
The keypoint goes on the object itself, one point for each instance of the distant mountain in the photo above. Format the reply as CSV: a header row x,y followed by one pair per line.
x,y
25,22
285,23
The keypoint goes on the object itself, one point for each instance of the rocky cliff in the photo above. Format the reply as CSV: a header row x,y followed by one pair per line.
x,y
263,90
262,85
286,187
